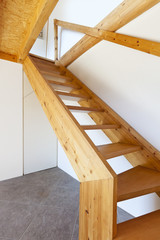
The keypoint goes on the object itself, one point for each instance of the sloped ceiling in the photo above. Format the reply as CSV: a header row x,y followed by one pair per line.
x,y
15,17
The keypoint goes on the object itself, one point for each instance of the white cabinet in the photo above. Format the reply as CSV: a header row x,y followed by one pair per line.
x,y
40,141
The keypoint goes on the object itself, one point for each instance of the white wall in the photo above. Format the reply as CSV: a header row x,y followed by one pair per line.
x,y
124,78
40,142
40,46
11,157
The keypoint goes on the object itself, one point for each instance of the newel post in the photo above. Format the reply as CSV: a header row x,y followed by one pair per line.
x,y
98,210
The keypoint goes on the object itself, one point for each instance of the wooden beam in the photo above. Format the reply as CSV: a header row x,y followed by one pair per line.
x,y
143,45
123,14
44,9
55,40
8,57
97,213
93,171
87,162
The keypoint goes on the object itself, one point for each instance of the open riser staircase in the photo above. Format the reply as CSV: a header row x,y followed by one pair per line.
x,y
100,187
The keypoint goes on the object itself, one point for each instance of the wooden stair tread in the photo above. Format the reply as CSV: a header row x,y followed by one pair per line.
x,y
146,227
65,84
85,109
72,95
99,127
136,182
55,74
117,149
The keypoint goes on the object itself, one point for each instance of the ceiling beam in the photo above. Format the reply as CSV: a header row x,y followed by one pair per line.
x,y
8,57
120,16
44,9
143,45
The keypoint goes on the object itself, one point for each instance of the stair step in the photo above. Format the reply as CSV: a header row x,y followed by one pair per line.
x,y
49,67
84,109
146,227
117,149
64,84
136,182
71,96
43,61
56,75
99,127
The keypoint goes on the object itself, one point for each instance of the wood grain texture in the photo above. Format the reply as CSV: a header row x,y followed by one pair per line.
x,y
141,228
83,109
137,182
123,14
86,161
55,40
139,44
100,127
8,57
97,212
37,21
15,17
55,74
64,84
71,96
117,149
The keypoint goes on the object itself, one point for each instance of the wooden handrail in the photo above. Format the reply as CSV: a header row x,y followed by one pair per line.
x,y
140,44
119,17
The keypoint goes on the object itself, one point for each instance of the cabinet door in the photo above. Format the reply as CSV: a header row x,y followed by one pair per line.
x,y
40,141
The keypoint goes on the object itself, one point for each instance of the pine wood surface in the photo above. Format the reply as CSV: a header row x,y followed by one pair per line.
x,y
142,228
120,16
117,149
137,182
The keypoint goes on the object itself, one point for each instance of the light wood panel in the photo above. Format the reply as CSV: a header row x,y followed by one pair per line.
x,y
142,228
117,149
100,127
8,57
84,109
87,162
97,213
38,19
143,45
15,17
137,182
71,96
55,40
55,74
123,14
64,84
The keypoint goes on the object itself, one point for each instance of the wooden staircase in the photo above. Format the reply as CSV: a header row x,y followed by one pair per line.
x,y
100,188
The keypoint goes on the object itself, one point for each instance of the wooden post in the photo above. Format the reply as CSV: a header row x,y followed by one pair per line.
x,y
98,210
55,40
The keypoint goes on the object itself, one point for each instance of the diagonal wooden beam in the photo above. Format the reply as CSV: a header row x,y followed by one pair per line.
x,y
44,9
123,14
143,45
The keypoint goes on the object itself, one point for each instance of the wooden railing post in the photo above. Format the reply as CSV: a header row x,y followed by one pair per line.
x,y
97,212
55,40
